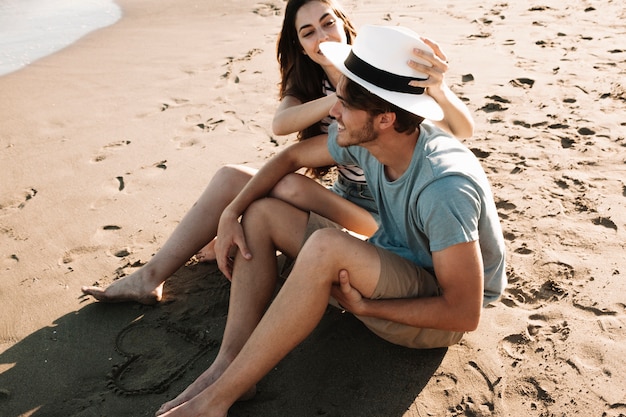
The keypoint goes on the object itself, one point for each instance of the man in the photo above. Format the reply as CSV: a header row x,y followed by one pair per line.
x,y
420,281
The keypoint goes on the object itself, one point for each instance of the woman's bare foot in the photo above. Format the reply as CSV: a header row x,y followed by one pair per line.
x,y
207,253
207,378
134,287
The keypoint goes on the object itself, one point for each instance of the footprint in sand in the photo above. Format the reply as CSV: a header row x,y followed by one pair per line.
x,y
163,106
268,9
474,392
522,83
479,153
542,334
70,256
209,125
232,74
535,355
566,142
604,221
184,142
550,348
106,150
581,201
506,209
19,201
198,122
178,102
530,294
529,393
493,107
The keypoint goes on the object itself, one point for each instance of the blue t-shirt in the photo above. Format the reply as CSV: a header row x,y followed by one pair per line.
x,y
442,199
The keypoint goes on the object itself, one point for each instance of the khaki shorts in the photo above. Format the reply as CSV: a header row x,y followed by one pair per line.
x,y
399,278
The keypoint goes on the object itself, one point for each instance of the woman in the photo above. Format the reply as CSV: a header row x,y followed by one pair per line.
x,y
308,83
304,107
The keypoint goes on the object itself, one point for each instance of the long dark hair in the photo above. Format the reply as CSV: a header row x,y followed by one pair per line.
x,y
300,77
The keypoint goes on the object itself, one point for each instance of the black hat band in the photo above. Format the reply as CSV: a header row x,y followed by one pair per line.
x,y
381,78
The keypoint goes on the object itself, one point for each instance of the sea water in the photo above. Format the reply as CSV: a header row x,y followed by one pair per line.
x,y
32,29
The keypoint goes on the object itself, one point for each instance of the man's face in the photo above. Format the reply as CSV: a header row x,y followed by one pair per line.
x,y
355,127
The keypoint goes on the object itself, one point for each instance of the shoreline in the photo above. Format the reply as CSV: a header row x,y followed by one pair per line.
x,y
29,35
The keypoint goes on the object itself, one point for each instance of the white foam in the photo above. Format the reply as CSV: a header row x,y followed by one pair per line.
x,y
32,29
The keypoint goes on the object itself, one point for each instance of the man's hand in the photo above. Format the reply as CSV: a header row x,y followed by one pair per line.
x,y
347,296
230,236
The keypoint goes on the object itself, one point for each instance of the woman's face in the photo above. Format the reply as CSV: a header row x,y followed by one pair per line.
x,y
316,22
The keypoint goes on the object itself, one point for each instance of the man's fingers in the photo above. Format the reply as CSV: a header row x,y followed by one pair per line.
x,y
224,264
344,281
245,252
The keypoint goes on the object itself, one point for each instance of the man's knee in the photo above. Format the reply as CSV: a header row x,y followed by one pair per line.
x,y
326,243
259,211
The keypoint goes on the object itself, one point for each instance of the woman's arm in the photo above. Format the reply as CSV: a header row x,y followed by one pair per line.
x,y
294,116
457,119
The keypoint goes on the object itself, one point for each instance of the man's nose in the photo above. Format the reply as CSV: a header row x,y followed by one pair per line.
x,y
334,110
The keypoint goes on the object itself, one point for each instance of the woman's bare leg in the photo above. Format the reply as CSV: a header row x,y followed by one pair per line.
x,y
207,253
309,195
195,230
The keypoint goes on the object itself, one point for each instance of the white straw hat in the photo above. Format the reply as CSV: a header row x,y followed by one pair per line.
x,y
378,62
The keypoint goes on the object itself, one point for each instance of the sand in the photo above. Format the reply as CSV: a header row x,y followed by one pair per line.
x,y
107,143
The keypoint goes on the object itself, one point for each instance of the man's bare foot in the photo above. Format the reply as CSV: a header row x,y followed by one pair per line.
x,y
207,253
200,384
177,404
130,288
197,407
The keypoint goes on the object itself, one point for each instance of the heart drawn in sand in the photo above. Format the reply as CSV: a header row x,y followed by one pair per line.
x,y
155,356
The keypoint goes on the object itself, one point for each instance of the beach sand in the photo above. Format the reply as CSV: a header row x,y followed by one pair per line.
x,y
107,143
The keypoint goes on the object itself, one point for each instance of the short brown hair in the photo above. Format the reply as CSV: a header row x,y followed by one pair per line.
x,y
360,98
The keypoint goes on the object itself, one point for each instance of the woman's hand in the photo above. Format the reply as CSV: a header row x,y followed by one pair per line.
x,y
457,119
435,83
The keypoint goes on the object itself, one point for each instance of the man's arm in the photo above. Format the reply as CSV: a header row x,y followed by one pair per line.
x,y
459,271
309,153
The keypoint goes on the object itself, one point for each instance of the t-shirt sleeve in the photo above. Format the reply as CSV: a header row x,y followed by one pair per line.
x,y
449,212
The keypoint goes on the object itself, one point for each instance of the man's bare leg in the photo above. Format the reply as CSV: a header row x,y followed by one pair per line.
x,y
198,227
253,285
295,312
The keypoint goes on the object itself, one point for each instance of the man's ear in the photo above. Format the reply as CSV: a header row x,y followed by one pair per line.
x,y
386,120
